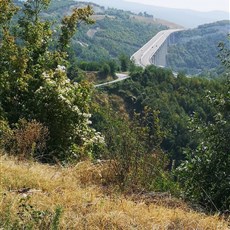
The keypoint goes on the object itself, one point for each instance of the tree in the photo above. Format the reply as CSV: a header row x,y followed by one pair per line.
x,y
69,25
7,10
124,62
34,82
224,54
105,70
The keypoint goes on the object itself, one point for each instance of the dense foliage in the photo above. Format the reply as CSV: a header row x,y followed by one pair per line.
x,y
176,99
201,146
195,51
205,173
34,83
132,149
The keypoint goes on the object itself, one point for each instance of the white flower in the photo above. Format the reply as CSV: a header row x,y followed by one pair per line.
x,y
86,115
61,68
88,122
45,75
76,109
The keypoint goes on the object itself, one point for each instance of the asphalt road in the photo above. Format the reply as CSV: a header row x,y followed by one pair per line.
x,y
143,56
120,77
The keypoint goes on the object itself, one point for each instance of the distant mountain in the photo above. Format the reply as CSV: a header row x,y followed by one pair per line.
x,y
184,17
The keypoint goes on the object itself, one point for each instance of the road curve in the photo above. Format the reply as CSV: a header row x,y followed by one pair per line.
x,y
143,56
120,77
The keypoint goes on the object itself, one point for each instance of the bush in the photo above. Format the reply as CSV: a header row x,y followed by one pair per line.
x,y
34,85
205,173
133,150
64,107
26,140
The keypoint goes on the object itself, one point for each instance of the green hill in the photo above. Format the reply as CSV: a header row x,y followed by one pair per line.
x,y
196,50
114,32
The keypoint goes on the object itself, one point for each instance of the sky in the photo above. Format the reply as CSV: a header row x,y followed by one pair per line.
x,y
199,5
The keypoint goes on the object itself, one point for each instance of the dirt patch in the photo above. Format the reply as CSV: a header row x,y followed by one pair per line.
x,y
91,32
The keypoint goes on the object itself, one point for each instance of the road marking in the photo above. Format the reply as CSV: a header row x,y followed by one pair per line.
x,y
141,54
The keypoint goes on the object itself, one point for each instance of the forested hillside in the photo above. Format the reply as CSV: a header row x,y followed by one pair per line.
x,y
176,99
195,51
191,125
114,32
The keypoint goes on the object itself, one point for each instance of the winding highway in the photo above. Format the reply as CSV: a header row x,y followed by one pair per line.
x,y
120,77
143,56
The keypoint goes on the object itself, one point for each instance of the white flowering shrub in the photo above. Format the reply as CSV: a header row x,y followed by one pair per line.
x,y
34,83
63,106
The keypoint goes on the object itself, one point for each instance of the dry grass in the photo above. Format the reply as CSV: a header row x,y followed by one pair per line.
x,y
85,206
156,21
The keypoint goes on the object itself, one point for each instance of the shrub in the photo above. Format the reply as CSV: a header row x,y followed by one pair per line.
x,y
133,150
205,173
34,85
26,140
64,108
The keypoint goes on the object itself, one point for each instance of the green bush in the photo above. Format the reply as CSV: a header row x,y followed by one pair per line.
x,y
205,173
133,150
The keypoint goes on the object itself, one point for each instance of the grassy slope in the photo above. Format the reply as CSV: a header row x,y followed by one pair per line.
x,y
79,191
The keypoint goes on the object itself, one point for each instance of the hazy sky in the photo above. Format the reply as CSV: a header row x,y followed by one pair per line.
x,y
200,5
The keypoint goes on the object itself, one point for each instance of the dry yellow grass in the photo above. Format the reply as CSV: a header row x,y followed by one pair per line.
x,y
85,206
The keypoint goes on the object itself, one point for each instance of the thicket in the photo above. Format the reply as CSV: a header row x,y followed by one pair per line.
x,y
133,149
205,175
194,117
34,85
205,172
